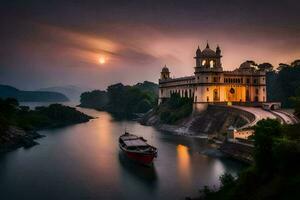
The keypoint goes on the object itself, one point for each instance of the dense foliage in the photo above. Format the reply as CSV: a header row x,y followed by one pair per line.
x,y
55,115
121,100
284,84
174,109
94,99
275,174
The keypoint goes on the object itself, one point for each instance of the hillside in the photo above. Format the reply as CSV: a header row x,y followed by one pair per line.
x,y
71,91
214,121
31,96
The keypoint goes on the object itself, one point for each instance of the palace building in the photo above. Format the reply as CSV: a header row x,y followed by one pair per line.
x,y
210,84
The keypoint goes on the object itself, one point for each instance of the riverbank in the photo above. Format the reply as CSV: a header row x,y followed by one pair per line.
x,y
214,122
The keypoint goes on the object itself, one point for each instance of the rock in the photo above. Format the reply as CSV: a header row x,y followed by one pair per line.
x,y
15,138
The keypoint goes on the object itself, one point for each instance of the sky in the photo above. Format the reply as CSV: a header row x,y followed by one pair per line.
x,y
56,43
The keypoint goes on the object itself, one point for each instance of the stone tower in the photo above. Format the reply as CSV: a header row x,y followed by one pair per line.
x,y
208,60
165,73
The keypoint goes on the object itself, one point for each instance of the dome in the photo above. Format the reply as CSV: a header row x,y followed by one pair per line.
x,y
245,65
165,69
207,52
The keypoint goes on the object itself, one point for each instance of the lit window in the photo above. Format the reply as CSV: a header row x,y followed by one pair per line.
x,y
211,63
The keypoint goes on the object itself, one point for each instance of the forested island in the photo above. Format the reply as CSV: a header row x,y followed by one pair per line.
x,y
18,124
123,101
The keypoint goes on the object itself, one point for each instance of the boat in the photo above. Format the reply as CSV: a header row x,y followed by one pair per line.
x,y
136,148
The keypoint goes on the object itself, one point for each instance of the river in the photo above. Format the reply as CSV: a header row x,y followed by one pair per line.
x,y
83,161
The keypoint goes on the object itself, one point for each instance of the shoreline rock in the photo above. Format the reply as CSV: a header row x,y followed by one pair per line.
x,y
15,138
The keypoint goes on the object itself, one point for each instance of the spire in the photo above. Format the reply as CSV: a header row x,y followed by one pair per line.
x,y
198,52
218,50
207,45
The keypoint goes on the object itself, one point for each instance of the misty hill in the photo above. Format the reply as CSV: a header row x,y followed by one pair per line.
x,y
32,96
71,91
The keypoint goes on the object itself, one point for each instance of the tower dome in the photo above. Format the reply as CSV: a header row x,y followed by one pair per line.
x,y
165,73
165,69
207,52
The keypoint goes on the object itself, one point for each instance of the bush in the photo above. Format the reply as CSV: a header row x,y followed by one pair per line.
x,y
174,109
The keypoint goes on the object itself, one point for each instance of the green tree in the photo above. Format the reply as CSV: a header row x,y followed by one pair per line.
x,y
265,131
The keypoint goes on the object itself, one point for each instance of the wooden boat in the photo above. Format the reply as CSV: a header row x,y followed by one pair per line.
x,y
137,149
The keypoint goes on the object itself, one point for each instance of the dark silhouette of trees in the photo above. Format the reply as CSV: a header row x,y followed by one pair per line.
x,y
123,101
175,108
275,173
55,115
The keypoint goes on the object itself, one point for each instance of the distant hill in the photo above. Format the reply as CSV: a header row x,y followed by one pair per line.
x,y
32,96
71,91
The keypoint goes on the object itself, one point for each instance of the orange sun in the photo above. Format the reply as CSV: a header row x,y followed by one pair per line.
x,y
102,60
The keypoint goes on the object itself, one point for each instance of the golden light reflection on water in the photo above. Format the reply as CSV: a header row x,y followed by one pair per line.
x,y
103,147
184,165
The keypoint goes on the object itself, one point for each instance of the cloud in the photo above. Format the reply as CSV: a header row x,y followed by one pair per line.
x,y
65,39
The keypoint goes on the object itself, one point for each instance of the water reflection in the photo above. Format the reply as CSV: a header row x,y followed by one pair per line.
x,y
136,177
145,173
183,162
83,161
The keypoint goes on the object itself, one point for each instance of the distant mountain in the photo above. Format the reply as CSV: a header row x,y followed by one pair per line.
x,y
71,91
32,96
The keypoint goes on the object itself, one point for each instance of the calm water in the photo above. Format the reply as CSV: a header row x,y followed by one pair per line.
x,y
83,161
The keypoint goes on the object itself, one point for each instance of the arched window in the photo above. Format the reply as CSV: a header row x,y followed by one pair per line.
x,y
211,64
203,62
216,95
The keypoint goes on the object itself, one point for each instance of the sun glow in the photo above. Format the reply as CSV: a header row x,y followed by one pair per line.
x,y
102,60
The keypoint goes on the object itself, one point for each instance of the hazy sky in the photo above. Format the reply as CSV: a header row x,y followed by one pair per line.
x,y
51,43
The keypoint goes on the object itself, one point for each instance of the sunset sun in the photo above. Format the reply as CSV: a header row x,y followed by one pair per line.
x,y
102,60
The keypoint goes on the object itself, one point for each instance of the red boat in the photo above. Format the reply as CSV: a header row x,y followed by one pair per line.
x,y
137,149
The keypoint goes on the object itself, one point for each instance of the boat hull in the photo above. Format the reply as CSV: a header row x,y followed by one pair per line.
x,y
146,159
